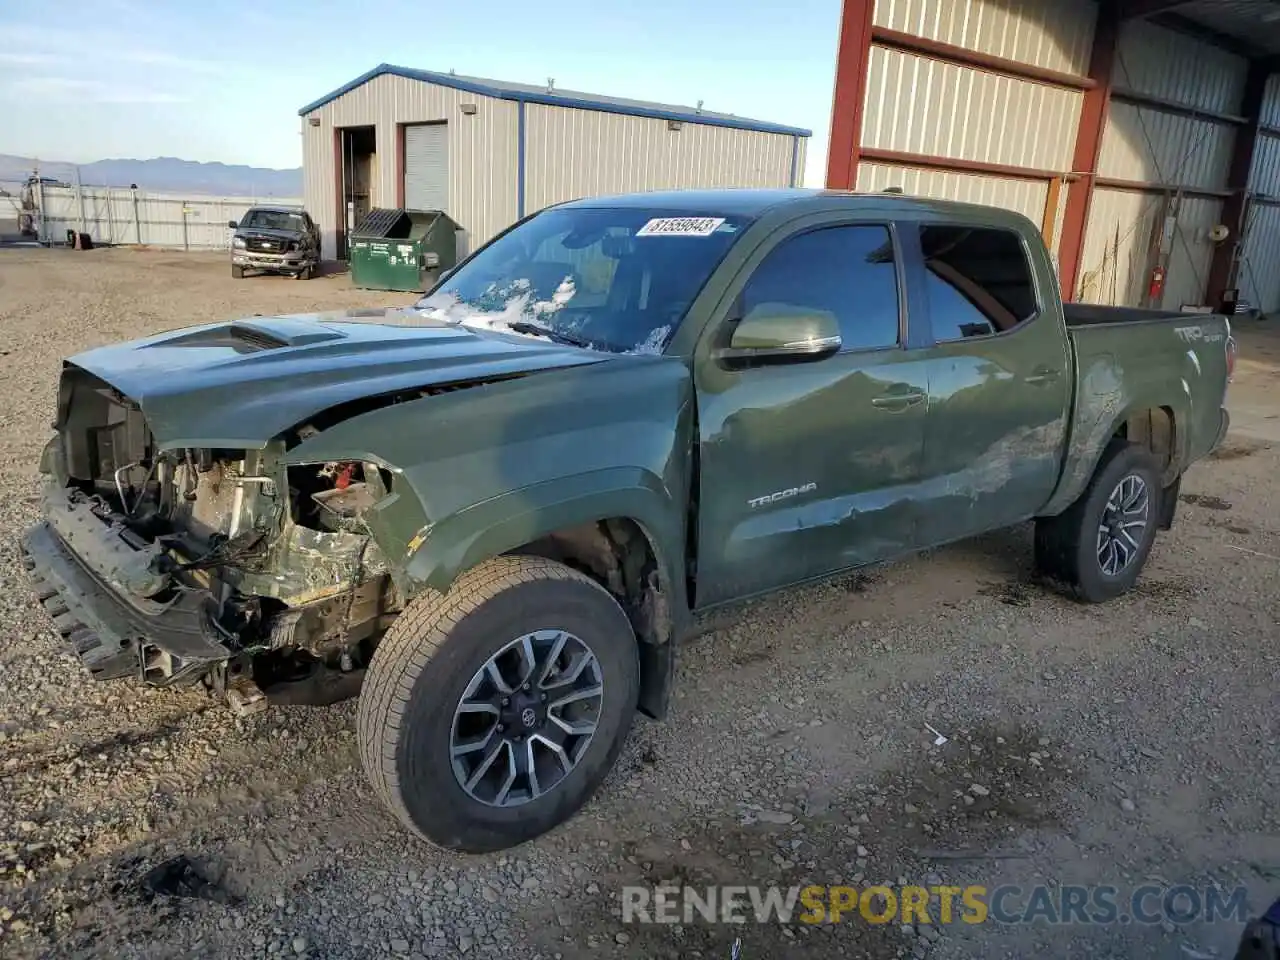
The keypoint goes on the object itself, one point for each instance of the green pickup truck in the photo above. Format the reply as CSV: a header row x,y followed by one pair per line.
x,y
494,513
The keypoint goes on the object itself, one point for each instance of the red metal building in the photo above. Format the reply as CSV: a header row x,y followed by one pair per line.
x,y
1142,135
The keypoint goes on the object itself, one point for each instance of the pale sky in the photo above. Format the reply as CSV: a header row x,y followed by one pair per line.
x,y
223,79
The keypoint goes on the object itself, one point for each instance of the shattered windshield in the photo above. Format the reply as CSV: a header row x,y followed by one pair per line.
x,y
608,279
273,220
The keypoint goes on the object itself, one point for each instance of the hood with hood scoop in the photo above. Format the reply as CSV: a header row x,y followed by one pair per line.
x,y
241,384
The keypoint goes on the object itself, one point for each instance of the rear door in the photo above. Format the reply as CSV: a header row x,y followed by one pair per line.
x,y
999,381
806,468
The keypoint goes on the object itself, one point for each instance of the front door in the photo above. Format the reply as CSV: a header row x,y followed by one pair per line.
x,y
806,468
999,384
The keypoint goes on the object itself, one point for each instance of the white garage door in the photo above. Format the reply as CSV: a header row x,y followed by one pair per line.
x,y
426,166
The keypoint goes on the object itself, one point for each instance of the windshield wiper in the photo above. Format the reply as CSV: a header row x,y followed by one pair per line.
x,y
526,326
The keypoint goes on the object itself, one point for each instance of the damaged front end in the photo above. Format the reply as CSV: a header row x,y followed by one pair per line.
x,y
202,564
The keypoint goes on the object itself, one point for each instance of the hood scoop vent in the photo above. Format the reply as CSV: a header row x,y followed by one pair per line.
x,y
250,336
255,338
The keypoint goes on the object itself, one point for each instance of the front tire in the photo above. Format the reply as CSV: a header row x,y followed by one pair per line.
x,y
1099,545
491,714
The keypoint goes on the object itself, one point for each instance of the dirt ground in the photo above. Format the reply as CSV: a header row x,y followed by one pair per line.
x,y
1126,744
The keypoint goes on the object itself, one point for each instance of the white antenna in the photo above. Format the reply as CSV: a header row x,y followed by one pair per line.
x,y
699,109
551,83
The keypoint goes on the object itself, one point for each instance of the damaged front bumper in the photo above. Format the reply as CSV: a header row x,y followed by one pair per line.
x,y
284,262
76,562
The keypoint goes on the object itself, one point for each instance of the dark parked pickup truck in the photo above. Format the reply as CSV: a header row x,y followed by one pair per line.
x,y
499,509
275,240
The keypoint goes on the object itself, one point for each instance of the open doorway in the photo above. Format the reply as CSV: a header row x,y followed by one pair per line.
x,y
357,161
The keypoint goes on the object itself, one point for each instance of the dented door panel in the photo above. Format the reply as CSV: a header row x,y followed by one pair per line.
x,y
802,473
997,428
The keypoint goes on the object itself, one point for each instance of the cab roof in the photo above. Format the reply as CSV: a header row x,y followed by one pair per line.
x,y
753,202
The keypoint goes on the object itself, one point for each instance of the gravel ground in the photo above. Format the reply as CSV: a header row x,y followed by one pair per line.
x,y
1124,744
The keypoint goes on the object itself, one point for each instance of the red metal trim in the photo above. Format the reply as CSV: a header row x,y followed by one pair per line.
x,y
1151,186
852,59
950,53
1084,161
340,223
1173,106
1049,219
400,164
956,165
1222,266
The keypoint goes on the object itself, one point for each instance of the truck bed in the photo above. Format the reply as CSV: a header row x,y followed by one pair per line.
x,y
1092,314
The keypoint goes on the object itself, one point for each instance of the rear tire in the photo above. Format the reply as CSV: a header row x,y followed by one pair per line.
x,y
1099,545
237,272
424,753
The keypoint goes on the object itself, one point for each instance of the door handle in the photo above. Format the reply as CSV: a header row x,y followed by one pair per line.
x,y
1043,376
897,401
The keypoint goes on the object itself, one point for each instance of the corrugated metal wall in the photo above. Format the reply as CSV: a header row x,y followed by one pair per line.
x,y
569,153
1146,144
920,105
117,215
1025,196
482,152
1140,143
1143,143
573,153
802,155
1160,62
1259,273
1271,102
1054,34
924,106
1121,230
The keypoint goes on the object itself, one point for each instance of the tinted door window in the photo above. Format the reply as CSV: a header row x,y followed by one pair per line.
x,y
978,281
847,271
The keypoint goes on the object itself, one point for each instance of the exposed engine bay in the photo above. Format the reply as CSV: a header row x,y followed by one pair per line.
x,y
292,582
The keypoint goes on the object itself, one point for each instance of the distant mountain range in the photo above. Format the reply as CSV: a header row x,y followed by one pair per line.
x,y
164,175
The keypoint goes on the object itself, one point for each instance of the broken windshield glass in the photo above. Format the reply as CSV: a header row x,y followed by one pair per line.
x,y
608,279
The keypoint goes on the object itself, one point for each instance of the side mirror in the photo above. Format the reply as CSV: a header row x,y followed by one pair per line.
x,y
232,224
781,333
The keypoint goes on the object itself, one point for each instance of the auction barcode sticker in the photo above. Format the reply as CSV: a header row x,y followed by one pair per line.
x,y
680,227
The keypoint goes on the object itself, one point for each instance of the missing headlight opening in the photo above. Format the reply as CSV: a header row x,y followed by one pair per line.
x,y
334,496
274,564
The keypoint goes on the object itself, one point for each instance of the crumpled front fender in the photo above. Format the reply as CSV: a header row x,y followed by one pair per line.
x,y
481,471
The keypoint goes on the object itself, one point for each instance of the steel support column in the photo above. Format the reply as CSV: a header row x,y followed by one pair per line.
x,y
1084,163
852,60
1225,256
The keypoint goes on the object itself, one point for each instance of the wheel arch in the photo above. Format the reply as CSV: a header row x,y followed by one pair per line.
x,y
1157,429
1156,426
625,537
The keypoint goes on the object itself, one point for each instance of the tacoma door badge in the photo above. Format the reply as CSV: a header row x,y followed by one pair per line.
x,y
782,495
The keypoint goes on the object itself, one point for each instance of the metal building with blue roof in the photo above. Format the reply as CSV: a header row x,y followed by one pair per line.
x,y
489,151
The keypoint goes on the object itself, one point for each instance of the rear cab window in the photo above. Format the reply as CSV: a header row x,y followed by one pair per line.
x,y
978,281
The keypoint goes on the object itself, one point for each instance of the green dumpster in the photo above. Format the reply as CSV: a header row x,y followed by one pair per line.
x,y
402,249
